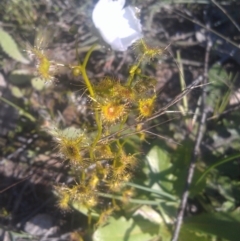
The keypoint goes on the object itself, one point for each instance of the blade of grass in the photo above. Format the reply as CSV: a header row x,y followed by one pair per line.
x,y
219,163
147,189
136,201
182,82
19,109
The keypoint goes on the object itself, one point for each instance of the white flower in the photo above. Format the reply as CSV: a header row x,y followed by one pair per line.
x,y
118,26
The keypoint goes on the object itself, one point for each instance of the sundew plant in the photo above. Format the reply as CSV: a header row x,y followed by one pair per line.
x,y
101,166
98,156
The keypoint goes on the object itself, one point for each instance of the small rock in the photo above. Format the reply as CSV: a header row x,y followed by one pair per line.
x,y
40,225
2,81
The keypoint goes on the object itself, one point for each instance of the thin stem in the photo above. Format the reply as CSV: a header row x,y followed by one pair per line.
x,y
216,165
84,73
88,55
92,94
132,75
131,200
159,192
196,151
20,110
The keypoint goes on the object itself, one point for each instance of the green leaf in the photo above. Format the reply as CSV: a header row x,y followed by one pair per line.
x,y
225,188
218,75
158,159
72,132
180,159
9,46
219,88
223,225
153,216
69,132
149,213
123,229
160,166
188,235
82,209
16,92
37,84
20,77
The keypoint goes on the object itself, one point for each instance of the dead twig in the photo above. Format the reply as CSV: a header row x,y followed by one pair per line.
x,y
14,184
196,150
226,13
208,29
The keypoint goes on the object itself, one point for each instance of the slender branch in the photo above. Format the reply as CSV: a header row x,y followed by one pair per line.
x,y
14,184
196,150
226,13
208,29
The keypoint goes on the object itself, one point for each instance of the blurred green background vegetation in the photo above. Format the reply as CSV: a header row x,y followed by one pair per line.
x,y
204,40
